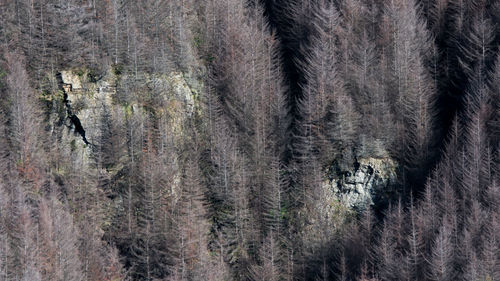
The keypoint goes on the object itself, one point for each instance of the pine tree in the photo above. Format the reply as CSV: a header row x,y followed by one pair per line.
x,y
412,88
58,242
441,259
24,133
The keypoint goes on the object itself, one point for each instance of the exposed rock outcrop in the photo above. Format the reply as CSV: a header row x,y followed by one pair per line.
x,y
92,101
97,108
364,183
354,185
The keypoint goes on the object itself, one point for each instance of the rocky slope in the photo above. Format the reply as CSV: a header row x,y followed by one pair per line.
x,y
89,100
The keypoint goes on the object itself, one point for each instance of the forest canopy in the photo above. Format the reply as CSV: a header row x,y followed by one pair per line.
x,y
249,140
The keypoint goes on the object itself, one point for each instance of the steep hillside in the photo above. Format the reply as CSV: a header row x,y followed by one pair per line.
x,y
249,140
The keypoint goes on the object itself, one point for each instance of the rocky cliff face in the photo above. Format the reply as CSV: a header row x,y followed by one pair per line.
x,y
362,184
93,100
90,101
87,109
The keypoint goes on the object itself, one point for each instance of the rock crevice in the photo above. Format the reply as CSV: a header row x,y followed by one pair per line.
x,y
67,87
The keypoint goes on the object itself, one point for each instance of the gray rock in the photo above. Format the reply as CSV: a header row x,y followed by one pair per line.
x,y
358,186
90,101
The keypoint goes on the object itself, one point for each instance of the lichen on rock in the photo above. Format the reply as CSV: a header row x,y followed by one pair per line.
x,y
101,105
91,100
182,91
71,78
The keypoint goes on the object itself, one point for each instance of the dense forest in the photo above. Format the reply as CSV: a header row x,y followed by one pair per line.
x,y
250,140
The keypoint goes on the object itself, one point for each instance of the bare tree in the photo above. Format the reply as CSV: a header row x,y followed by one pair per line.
x,y
58,242
412,88
24,134
441,260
